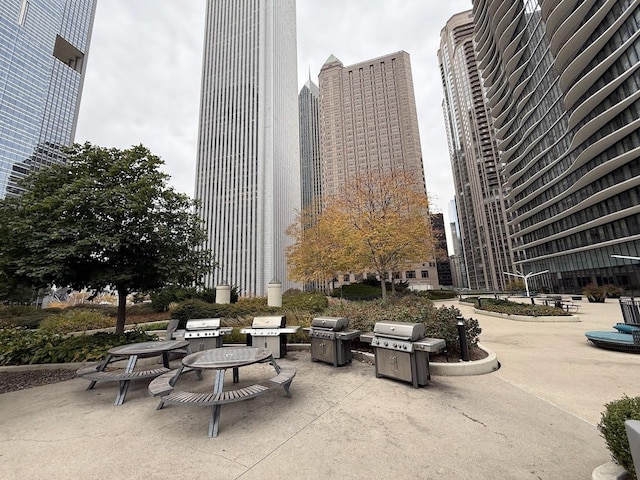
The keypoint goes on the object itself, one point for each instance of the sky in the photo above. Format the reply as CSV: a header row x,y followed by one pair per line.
x,y
142,83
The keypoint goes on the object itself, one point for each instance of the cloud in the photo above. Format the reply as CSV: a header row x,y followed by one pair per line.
x,y
143,78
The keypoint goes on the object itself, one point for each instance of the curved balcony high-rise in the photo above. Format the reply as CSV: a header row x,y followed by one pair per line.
x,y
562,81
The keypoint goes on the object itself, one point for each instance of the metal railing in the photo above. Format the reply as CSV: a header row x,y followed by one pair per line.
x,y
630,310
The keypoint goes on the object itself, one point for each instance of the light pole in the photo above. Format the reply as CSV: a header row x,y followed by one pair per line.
x,y
626,256
525,277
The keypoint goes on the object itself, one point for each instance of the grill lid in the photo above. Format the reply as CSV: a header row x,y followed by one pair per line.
x,y
334,324
400,330
269,322
203,324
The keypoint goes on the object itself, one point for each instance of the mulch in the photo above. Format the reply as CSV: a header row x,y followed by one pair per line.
x,y
13,381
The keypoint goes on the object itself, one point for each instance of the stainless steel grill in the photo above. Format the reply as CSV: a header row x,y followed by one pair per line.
x,y
270,333
205,333
330,340
402,351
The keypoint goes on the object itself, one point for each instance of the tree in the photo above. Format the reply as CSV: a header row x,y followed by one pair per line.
x,y
105,218
315,255
378,224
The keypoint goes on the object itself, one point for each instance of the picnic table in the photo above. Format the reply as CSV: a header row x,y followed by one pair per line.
x,y
219,359
132,352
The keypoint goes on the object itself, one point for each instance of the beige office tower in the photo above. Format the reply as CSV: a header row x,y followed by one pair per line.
x,y
369,123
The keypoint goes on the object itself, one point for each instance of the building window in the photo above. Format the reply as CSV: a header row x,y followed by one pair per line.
x,y
347,278
424,273
396,275
410,274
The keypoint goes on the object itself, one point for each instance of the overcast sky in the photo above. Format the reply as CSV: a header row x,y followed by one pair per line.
x,y
143,74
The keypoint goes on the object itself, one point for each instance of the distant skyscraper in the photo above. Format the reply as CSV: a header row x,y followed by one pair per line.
x,y
562,79
310,171
369,123
442,257
456,261
486,246
43,57
248,163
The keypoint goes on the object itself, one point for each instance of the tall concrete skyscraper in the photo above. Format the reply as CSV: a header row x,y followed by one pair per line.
x,y
562,79
310,167
248,163
369,123
43,57
486,246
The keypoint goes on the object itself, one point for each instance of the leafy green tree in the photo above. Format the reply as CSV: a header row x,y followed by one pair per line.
x,y
105,219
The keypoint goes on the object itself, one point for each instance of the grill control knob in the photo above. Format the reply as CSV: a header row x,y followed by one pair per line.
x,y
405,347
395,345
386,344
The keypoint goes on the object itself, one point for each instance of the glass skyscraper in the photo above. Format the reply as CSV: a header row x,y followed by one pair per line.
x,y
43,53
562,82
486,246
311,174
248,163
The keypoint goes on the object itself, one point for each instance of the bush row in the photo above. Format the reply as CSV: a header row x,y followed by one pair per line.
x,y
20,346
515,308
50,344
439,322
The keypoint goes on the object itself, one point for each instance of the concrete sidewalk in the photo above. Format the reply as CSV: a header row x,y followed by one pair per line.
x,y
535,418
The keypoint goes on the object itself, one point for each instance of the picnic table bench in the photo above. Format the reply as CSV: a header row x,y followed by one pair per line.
x,y
98,372
219,359
163,386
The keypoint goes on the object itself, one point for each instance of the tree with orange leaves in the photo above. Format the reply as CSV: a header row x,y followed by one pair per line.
x,y
377,224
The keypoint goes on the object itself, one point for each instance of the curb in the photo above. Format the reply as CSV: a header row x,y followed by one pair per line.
x,y
476,367
610,471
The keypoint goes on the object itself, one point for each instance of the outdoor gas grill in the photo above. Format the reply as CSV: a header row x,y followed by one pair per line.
x,y
402,351
205,333
330,340
270,333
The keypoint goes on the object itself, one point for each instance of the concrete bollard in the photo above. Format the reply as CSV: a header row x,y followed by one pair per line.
x,y
632,428
223,294
274,293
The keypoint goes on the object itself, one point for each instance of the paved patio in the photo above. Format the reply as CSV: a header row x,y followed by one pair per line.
x,y
534,418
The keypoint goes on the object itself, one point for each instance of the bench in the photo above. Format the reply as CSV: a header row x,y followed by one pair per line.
x,y
123,378
211,399
165,383
284,378
570,307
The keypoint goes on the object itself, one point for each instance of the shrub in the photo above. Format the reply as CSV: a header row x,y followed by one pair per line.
x,y
357,291
438,294
162,299
19,346
515,308
595,293
439,322
75,320
612,291
24,316
309,301
612,428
